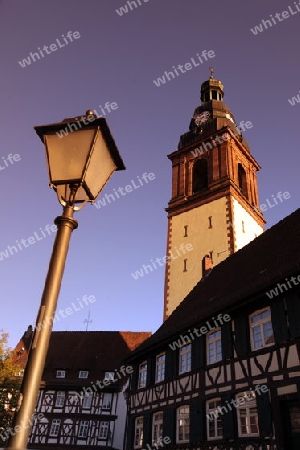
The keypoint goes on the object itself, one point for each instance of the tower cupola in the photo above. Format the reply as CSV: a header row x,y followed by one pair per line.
x,y
212,89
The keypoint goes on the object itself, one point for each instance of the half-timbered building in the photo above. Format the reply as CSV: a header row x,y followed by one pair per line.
x,y
223,372
81,401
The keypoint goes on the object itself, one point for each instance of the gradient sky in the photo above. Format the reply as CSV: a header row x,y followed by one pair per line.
x,y
116,59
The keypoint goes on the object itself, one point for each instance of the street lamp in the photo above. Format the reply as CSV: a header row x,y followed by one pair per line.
x,y
81,156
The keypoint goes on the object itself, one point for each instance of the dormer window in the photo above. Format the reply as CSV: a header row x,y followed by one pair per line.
x,y
109,376
60,373
83,374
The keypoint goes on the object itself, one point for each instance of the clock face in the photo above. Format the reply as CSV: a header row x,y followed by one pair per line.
x,y
201,118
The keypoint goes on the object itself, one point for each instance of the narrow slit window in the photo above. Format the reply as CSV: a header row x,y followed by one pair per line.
x,y
185,265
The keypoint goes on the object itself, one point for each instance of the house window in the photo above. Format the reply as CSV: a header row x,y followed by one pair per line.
x,y
60,373
60,399
183,424
107,400
200,175
247,415
142,374
157,427
109,376
160,367
103,430
83,429
261,329
138,432
55,425
214,346
87,401
214,422
73,398
185,358
83,374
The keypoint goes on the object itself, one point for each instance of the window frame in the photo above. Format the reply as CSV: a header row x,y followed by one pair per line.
x,y
215,342
55,427
138,432
260,323
60,399
216,420
160,367
83,426
248,406
200,175
87,401
109,376
104,425
183,416
103,404
242,179
142,378
157,424
185,358
60,373
81,374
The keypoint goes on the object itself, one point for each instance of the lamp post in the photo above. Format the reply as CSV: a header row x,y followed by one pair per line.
x,y
81,156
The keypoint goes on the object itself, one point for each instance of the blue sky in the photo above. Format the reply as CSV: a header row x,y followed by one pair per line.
x,y
115,59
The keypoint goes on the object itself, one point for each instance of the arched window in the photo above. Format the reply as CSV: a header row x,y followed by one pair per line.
x,y
242,180
200,176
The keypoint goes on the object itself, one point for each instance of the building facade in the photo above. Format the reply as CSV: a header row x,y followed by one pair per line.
x,y
214,206
81,401
223,372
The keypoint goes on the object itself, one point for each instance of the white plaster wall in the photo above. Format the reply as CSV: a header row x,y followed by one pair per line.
x,y
120,422
251,227
203,240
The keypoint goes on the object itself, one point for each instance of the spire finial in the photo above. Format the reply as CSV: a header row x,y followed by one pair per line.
x,y
211,72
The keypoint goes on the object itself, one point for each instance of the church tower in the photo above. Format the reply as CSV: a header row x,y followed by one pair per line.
x,y
214,208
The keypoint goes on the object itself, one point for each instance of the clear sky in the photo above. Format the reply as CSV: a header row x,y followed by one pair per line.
x,y
115,59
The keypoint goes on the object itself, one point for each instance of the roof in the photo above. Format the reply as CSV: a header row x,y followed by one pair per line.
x,y
95,351
250,272
22,348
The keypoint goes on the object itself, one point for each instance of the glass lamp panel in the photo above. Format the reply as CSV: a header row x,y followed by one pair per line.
x,y
63,194
67,155
100,168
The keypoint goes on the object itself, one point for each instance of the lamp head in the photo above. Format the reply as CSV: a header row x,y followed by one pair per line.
x,y
81,156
